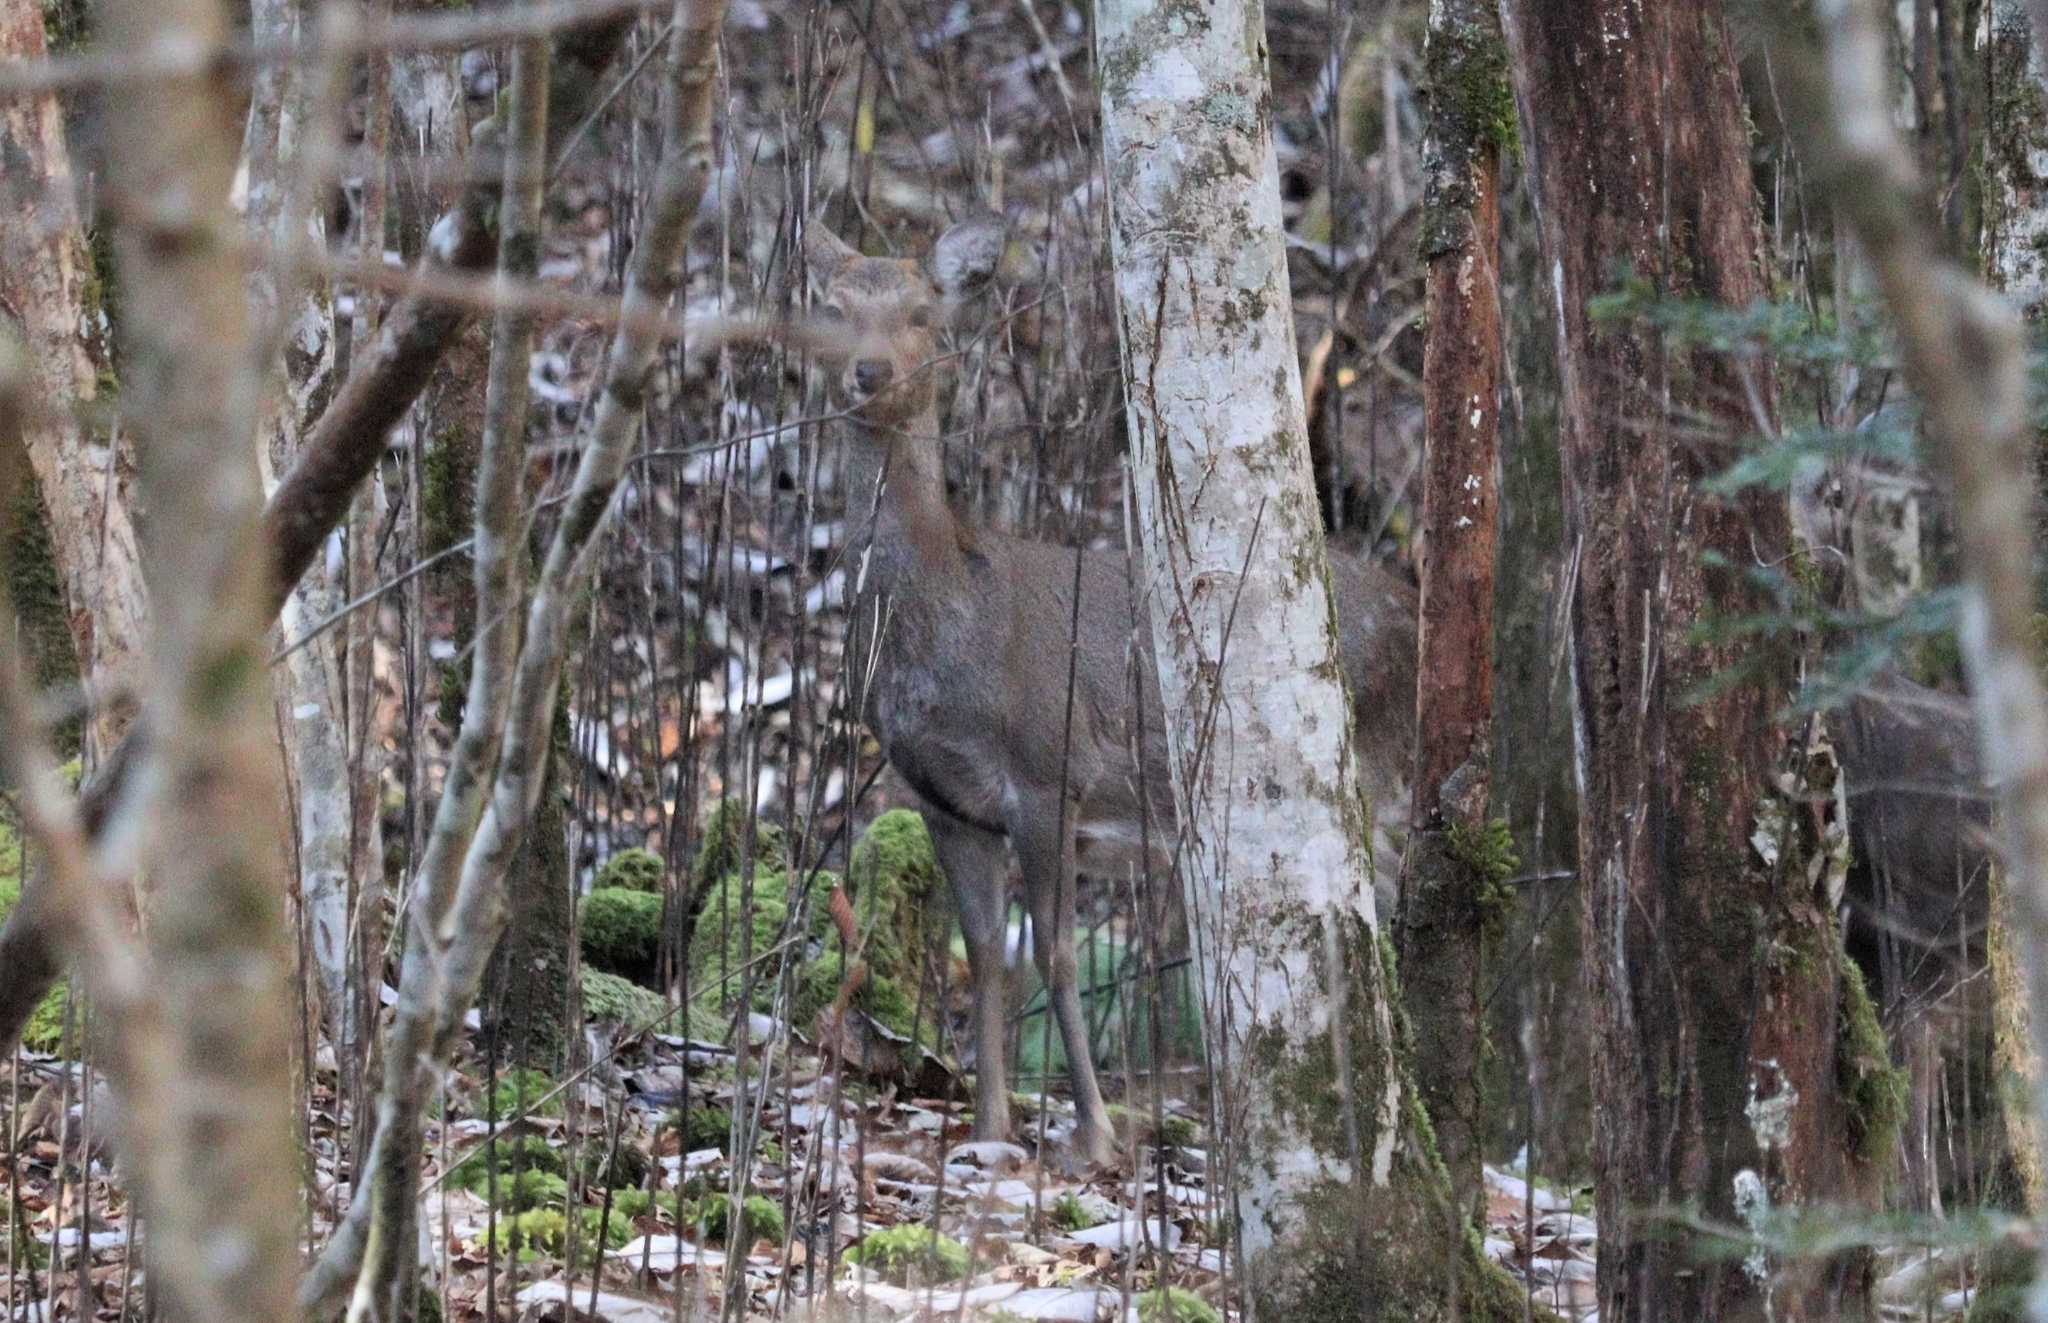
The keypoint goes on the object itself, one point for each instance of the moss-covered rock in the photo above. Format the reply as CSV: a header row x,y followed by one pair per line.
x,y
622,932
635,869
724,850
894,875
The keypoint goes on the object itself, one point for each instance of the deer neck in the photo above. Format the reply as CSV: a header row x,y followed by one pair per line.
x,y
900,529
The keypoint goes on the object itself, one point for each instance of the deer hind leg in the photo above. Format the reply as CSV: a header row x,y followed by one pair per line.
x,y
1048,866
976,865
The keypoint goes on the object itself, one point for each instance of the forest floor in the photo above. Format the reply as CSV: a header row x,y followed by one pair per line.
x,y
859,1201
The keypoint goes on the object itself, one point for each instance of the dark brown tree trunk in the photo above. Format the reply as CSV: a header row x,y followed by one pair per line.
x,y
1457,868
1714,967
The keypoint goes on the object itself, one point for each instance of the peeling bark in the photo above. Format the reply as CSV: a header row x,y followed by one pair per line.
x,y
49,288
1715,970
1455,886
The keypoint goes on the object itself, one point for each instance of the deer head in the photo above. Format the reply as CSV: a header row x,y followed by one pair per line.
x,y
887,312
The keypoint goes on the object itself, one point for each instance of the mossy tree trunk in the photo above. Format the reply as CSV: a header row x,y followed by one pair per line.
x,y
1328,1151
1716,987
1451,892
2015,247
526,984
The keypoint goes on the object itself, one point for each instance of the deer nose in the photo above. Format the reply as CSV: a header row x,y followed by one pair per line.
x,y
871,374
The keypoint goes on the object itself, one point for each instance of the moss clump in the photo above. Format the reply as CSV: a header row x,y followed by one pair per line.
x,y
622,1001
622,931
44,1031
893,876
1873,1088
1170,1304
700,1128
609,997
760,1219
912,1255
634,869
518,1092
1488,851
724,849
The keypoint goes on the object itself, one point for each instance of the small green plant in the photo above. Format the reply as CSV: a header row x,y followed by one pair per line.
x,y
760,1219
529,1235
1068,1214
631,1202
519,1091
1170,1304
912,1255
519,1158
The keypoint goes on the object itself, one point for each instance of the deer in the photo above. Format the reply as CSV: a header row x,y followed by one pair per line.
x,y
969,636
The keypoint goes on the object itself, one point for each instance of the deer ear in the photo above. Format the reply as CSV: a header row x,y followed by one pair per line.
x,y
824,253
966,256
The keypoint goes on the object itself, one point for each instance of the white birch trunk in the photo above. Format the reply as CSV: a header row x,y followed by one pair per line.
x,y
1274,855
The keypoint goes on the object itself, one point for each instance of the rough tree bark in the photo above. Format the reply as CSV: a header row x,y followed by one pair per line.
x,y
219,1171
1453,891
1332,1172
1715,970
2015,239
49,288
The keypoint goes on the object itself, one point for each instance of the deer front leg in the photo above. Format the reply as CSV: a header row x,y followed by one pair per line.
x,y
975,866
1047,862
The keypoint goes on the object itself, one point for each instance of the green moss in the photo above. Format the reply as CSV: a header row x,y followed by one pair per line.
x,y
700,1128
37,591
724,848
622,931
1170,1304
634,869
2005,1272
1471,113
529,1171
519,1091
1873,1089
912,1255
1068,1214
609,997
1488,851
894,875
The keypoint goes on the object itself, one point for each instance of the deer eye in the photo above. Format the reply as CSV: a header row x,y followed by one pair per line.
x,y
921,316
